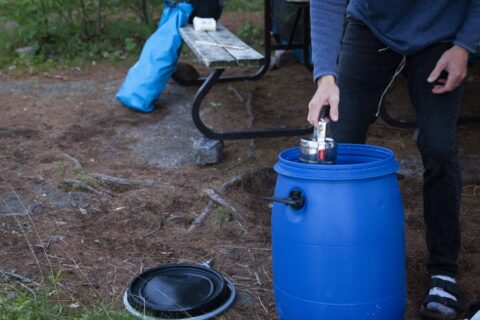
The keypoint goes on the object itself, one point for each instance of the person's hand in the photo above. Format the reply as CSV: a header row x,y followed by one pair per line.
x,y
454,62
327,94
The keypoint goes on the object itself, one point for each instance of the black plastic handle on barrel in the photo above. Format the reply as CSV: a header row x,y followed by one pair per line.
x,y
295,200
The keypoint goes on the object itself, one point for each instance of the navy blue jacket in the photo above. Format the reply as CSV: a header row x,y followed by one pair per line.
x,y
405,26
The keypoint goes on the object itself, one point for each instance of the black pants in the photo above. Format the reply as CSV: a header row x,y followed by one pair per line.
x,y
366,68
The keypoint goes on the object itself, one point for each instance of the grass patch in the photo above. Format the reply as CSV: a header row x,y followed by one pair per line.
x,y
17,303
87,179
243,5
59,169
220,216
251,34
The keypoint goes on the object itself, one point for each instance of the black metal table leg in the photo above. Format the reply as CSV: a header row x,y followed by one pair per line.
x,y
294,29
399,123
468,119
304,12
231,135
306,38
411,122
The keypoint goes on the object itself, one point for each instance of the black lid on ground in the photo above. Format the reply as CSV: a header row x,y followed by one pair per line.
x,y
180,290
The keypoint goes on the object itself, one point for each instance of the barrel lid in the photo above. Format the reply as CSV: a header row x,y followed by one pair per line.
x,y
179,291
354,161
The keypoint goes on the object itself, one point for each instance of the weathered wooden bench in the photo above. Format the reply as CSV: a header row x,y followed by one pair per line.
x,y
220,50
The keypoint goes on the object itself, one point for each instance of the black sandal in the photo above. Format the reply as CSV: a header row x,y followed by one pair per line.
x,y
449,287
473,310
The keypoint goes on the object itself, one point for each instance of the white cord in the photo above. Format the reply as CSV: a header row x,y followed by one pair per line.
x,y
397,72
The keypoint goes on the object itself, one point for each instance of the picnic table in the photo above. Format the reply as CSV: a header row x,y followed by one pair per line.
x,y
220,50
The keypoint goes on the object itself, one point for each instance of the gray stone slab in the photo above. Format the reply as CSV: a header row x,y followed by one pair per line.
x,y
165,144
62,199
207,151
9,27
12,203
25,51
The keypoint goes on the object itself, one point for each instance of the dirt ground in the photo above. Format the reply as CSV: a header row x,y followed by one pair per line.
x,y
101,234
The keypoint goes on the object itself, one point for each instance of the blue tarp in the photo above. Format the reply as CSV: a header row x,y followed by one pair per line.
x,y
146,80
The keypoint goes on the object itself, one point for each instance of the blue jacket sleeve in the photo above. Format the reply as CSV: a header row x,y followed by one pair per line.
x,y
327,19
469,35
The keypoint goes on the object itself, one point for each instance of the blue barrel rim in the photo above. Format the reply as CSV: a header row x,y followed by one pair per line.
x,y
382,162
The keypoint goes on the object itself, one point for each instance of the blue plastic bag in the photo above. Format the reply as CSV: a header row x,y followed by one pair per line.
x,y
146,80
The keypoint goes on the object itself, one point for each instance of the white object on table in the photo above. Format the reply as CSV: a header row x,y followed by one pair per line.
x,y
204,24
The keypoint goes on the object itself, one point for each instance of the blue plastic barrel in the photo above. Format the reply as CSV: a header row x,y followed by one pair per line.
x,y
342,255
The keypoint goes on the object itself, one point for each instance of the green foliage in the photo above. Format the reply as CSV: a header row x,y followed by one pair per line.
x,y
250,33
77,31
18,304
243,5
59,169
87,179
59,30
220,216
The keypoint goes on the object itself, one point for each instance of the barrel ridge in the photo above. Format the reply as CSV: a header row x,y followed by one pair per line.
x,y
355,161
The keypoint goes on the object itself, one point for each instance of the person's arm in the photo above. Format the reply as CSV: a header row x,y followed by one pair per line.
x,y
455,60
469,35
327,19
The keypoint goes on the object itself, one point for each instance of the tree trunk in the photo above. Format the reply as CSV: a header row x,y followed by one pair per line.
x,y
84,18
144,11
99,24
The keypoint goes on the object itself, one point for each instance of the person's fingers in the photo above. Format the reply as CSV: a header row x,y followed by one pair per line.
x,y
314,112
448,86
327,94
333,101
439,67
452,82
439,89
453,62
